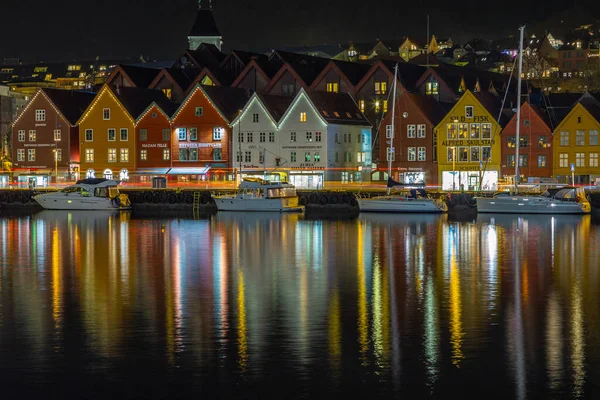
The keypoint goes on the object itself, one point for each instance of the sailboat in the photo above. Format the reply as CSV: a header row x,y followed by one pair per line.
x,y
565,200
415,200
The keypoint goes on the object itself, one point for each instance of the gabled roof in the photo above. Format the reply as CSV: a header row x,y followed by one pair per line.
x,y
204,25
337,108
141,77
429,107
246,56
137,100
408,74
70,103
276,105
205,54
425,60
526,110
307,67
252,64
227,101
182,77
591,103
354,71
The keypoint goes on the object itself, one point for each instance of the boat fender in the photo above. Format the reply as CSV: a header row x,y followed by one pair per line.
x,y
203,199
323,200
155,198
163,196
303,200
312,198
345,198
172,198
333,198
2,197
189,199
148,197
25,198
10,198
180,197
353,202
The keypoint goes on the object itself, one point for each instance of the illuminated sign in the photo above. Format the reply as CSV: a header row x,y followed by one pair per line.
x,y
470,142
477,118
183,145
154,145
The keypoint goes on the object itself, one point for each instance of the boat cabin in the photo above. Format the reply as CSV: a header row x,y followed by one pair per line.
x,y
261,188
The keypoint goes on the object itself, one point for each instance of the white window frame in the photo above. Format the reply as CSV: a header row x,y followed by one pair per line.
x,y
411,131
218,133
124,154
89,155
121,130
21,135
412,154
106,114
469,111
21,155
89,138
32,135
421,131
57,135
143,155
114,132
112,155
40,115
30,154
421,153
166,153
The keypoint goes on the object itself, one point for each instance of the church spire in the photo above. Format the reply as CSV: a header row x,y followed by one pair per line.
x,y
204,29
209,5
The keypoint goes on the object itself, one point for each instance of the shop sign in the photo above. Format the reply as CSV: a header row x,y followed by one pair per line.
x,y
154,145
183,145
469,142
476,118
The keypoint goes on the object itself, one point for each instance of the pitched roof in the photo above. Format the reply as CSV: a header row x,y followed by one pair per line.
x,y
227,100
246,56
137,100
183,76
204,25
337,108
408,74
591,103
431,108
354,71
307,67
72,104
141,77
425,60
276,105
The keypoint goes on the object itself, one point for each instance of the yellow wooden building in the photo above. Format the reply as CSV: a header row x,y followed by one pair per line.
x,y
575,143
468,144
106,137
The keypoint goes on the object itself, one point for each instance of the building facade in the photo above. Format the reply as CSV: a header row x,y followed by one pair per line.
x,y
468,147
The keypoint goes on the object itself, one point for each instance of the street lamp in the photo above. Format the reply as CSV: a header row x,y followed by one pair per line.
x,y
454,156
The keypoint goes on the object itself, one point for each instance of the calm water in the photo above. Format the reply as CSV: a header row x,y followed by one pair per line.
x,y
98,305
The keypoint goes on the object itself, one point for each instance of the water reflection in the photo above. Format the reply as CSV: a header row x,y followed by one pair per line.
x,y
389,304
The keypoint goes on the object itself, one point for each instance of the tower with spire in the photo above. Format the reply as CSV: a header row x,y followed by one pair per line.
x,y
204,29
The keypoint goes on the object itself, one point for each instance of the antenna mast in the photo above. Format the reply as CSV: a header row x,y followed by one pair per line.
x,y
517,139
427,43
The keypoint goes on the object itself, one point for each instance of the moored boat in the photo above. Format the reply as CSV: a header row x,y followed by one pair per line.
x,y
255,194
86,194
566,200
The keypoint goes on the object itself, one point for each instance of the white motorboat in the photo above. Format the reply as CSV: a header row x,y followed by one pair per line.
x,y
86,194
566,200
255,194
403,201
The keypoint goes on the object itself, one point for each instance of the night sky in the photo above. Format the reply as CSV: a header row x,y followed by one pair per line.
x,y
116,29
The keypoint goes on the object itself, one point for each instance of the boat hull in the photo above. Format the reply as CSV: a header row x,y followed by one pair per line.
x,y
59,201
400,205
258,204
530,205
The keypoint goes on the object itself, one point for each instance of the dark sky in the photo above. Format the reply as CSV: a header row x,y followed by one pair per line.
x,y
35,30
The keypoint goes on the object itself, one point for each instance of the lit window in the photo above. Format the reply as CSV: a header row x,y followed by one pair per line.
x,y
181,133
377,108
89,155
302,117
168,92
486,131
307,157
580,138
593,160
143,155
361,105
380,87
317,156
385,106
563,160
112,155
124,155
332,87
564,138
40,115
32,135
166,154
580,159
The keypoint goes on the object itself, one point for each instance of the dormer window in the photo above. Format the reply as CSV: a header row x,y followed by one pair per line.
x,y
468,111
380,87
302,117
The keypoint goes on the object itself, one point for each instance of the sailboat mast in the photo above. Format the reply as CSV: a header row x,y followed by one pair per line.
x,y
517,138
391,149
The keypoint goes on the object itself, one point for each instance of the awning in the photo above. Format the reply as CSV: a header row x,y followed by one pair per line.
x,y
189,171
32,171
150,171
